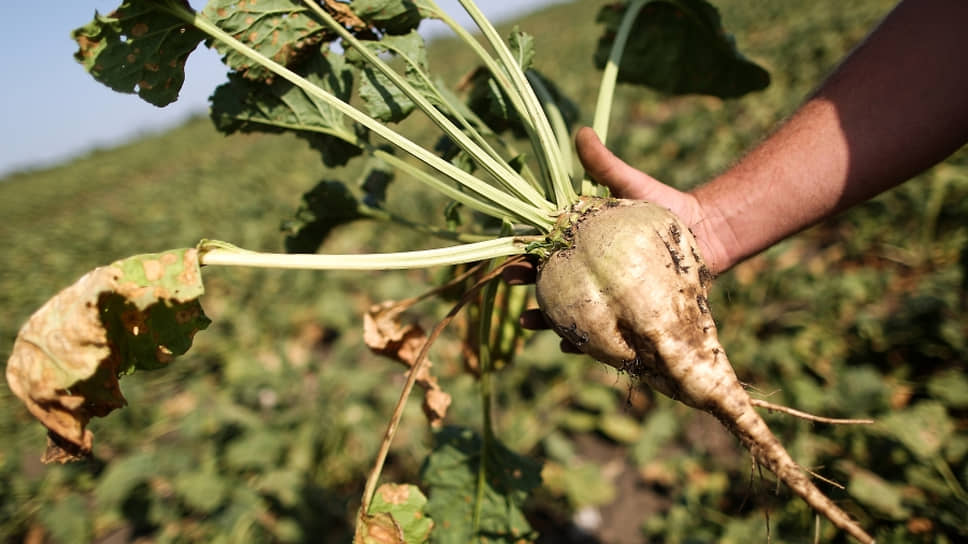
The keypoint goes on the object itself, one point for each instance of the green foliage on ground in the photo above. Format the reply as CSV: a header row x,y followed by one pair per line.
x,y
265,431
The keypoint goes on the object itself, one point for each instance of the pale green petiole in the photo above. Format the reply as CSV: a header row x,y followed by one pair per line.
x,y
513,207
549,155
606,90
497,168
216,253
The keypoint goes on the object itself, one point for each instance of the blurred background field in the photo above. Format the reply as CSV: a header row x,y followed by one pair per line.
x,y
264,431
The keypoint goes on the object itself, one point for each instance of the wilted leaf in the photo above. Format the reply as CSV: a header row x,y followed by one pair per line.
x,y
451,473
404,505
137,313
283,30
138,48
242,105
385,335
679,47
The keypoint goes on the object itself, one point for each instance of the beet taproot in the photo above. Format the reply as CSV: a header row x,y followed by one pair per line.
x,y
628,286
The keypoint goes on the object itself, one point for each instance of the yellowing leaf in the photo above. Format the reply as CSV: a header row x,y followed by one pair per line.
x,y
137,313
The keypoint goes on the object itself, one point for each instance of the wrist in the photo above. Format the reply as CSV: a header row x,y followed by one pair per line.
x,y
716,237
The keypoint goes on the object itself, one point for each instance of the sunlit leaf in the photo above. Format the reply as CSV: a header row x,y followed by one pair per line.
x,y
138,48
451,474
286,31
679,47
137,313
404,504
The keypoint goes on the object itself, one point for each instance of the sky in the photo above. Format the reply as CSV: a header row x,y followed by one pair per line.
x,y
53,110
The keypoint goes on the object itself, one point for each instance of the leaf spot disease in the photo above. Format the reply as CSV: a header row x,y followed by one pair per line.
x,y
139,30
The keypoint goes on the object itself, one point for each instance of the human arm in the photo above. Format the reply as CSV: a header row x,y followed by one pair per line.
x,y
896,106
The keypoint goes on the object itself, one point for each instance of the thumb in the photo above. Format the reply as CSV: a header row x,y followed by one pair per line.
x,y
604,167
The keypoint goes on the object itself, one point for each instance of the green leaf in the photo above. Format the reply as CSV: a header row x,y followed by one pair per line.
x,y
68,520
493,107
657,431
139,48
924,428
328,205
679,47
583,484
405,504
242,105
203,491
451,474
283,30
122,476
875,492
522,48
620,427
390,16
137,313
950,387
384,100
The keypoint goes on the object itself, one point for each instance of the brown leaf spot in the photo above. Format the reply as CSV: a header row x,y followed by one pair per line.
x,y
253,36
139,30
164,355
131,58
154,270
435,405
394,493
145,86
152,67
378,529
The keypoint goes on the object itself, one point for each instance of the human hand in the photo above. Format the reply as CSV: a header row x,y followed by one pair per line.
x,y
625,181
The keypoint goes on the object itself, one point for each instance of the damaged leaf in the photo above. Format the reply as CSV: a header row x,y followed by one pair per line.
x,y
396,516
135,314
451,474
385,335
283,30
138,48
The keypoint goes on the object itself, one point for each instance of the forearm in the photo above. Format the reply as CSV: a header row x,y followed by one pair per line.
x,y
895,107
